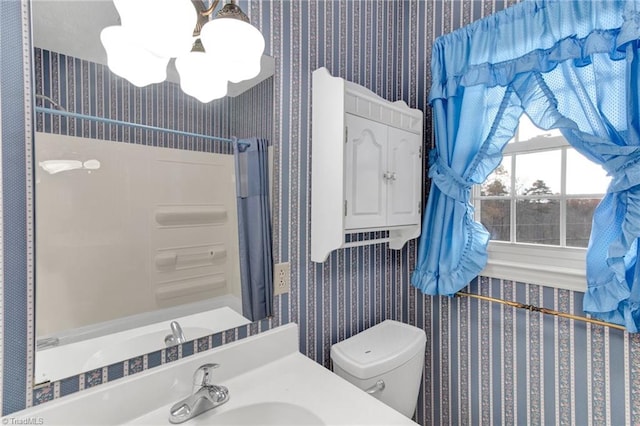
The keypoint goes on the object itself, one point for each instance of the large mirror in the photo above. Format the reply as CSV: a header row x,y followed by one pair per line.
x,y
136,230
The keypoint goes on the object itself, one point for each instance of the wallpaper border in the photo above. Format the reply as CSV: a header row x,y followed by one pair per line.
x,y
17,204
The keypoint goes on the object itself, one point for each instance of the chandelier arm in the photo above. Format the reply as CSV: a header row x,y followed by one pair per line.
x,y
203,14
209,11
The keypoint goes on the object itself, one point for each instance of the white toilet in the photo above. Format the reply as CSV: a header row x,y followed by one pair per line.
x,y
386,360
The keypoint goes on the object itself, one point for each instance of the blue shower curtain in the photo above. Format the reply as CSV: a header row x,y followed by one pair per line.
x,y
571,65
254,227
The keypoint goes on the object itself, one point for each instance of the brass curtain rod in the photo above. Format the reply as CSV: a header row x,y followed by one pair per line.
x,y
533,308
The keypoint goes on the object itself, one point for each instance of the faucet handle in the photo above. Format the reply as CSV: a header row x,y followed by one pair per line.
x,y
203,375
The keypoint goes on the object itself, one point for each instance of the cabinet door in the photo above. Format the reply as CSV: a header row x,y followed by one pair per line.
x,y
365,185
405,167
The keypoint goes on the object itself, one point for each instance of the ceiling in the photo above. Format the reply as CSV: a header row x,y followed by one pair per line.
x,y
72,27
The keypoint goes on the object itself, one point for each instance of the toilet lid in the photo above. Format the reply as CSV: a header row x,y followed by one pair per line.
x,y
378,349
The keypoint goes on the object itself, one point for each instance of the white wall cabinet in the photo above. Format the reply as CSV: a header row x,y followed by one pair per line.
x,y
382,175
366,167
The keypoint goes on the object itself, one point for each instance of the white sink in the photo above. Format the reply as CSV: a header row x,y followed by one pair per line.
x,y
269,383
267,414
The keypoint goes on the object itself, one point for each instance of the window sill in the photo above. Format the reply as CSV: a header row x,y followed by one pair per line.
x,y
559,267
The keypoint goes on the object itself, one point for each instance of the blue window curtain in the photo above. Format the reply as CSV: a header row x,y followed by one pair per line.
x,y
254,227
571,65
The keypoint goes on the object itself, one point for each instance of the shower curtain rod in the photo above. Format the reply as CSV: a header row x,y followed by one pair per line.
x,y
125,123
533,308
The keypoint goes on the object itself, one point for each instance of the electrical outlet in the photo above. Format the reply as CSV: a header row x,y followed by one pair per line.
x,y
281,278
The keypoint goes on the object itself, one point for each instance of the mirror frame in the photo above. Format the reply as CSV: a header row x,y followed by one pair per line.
x,y
17,288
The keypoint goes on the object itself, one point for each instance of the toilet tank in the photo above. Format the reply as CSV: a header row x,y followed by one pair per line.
x,y
390,351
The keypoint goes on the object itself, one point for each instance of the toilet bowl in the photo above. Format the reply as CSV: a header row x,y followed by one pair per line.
x,y
386,360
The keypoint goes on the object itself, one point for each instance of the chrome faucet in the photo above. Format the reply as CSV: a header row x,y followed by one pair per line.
x,y
206,396
176,337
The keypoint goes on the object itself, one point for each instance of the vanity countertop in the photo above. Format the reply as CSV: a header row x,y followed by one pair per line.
x,y
267,377
297,380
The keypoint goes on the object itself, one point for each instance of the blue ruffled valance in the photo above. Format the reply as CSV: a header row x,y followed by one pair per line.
x,y
559,62
533,36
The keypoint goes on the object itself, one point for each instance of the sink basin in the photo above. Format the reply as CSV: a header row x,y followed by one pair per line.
x,y
267,414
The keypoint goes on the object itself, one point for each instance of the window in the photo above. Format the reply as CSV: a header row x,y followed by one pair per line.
x,y
538,205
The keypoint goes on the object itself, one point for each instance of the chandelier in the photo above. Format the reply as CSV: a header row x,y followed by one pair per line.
x,y
208,53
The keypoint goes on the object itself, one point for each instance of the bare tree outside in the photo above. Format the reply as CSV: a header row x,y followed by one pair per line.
x,y
538,219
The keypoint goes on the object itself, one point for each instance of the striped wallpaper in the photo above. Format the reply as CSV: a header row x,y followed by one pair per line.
x,y
88,88
484,364
491,364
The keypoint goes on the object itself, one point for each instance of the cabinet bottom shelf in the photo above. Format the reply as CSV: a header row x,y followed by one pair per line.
x,y
395,237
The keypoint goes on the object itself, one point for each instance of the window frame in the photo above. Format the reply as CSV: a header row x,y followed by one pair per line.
x,y
562,267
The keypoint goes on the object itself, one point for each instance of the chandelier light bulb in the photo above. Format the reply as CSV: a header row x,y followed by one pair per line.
x,y
131,61
245,69
200,77
236,44
164,27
